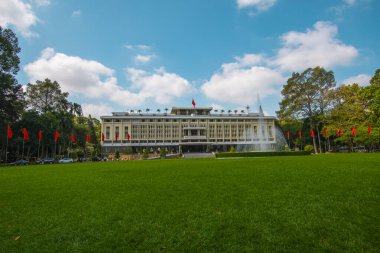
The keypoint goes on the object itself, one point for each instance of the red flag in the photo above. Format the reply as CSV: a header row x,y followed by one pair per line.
x,y
10,133
312,133
300,134
56,135
102,136
339,132
369,130
88,138
26,135
40,136
193,102
72,138
128,137
353,131
325,132
117,136
288,134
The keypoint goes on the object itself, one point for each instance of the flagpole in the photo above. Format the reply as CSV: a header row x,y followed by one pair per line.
x,y
23,141
6,151
38,150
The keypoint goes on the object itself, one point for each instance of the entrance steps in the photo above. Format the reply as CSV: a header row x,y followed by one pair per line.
x,y
198,155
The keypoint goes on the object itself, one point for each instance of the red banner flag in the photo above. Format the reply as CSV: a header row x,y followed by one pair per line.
x,y
56,135
312,133
288,134
193,102
25,133
10,133
339,132
116,136
72,138
325,132
102,136
300,134
369,130
88,138
40,136
353,131
128,137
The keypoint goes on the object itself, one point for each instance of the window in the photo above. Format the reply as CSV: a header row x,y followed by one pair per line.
x,y
117,135
126,132
107,132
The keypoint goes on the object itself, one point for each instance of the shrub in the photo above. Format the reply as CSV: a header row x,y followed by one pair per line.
x,y
162,152
309,148
117,154
144,154
232,149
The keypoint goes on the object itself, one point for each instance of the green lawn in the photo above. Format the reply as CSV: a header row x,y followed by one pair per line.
x,y
326,203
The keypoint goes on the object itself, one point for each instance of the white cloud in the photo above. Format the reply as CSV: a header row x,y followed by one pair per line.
x,y
240,82
317,46
350,2
217,107
140,47
362,79
93,79
96,110
142,59
42,2
19,15
76,14
160,86
260,5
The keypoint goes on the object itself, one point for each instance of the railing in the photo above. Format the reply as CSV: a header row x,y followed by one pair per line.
x,y
197,137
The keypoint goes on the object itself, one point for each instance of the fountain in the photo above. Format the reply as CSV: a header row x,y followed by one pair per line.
x,y
257,141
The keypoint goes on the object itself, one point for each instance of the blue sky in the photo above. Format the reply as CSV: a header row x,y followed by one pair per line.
x,y
119,55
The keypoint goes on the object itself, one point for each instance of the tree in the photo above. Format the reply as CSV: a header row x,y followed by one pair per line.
x,y
306,95
46,96
372,95
349,110
11,93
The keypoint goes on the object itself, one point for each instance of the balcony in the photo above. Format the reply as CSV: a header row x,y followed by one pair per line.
x,y
194,137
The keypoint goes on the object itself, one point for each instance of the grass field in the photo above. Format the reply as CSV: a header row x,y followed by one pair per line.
x,y
326,203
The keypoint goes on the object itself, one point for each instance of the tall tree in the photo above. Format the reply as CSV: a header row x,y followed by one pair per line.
x,y
47,96
11,94
305,95
349,111
372,96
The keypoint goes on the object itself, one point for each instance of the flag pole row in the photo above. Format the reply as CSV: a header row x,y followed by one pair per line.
x,y
25,133
325,133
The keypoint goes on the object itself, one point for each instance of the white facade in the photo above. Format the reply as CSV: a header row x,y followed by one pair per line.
x,y
186,129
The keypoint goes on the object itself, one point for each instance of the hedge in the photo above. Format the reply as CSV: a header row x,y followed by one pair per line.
x,y
262,154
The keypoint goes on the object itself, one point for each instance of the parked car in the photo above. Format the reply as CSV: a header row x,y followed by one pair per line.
x,y
46,161
21,162
66,160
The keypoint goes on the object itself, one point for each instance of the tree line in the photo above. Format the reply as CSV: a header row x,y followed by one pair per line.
x,y
330,117
40,111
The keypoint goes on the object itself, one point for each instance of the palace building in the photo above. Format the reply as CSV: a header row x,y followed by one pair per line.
x,y
186,129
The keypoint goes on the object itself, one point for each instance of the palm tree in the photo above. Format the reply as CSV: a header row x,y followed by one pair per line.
x,y
158,110
242,111
247,107
229,111
147,110
132,111
235,111
166,110
215,111
139,111
222,111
